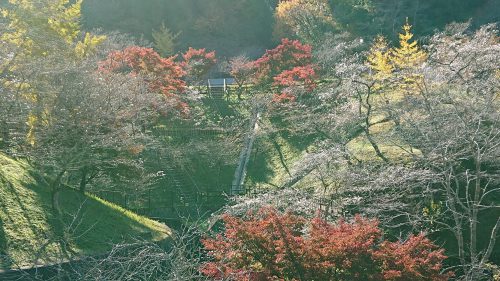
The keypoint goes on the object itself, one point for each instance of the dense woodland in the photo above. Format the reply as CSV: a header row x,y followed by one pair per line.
x,y
249,140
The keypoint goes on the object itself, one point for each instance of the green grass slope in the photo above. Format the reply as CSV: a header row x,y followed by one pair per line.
x,y
272,159
275,155
30,233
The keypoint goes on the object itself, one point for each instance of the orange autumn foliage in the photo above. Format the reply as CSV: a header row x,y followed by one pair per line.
x,y
268,245
162,75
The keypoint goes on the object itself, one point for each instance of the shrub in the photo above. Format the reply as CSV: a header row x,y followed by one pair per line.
x,y
268,245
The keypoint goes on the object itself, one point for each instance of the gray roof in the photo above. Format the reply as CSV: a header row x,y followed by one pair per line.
x,y
219,82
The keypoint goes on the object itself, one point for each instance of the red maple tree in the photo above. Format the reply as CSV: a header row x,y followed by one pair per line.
x,y
287,66
303,76
283,98
242,70
198,62
287,55
162,75
268,245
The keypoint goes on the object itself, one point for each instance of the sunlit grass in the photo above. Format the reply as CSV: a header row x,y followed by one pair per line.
x,y
30,232
362,150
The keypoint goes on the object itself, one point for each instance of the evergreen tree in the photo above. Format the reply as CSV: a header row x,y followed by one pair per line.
x,y
408,54
165,40
379,59
406,59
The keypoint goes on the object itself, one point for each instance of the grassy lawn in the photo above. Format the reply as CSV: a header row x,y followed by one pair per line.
x,y
31,234
272,159
393,148
361,148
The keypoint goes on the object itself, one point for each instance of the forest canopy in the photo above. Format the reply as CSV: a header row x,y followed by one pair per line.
x,y
243,27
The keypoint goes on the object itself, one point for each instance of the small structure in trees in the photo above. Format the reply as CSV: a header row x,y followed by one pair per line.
x,y
220,87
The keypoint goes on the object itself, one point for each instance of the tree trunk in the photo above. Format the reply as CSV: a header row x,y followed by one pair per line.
x,y
55,202
83,180
55,188
492,243
366,127
457,230
475,209
240,91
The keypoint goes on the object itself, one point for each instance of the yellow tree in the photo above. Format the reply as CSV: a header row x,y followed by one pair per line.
x,y
39,27
407,58
37,30
379,59
408,54
391,76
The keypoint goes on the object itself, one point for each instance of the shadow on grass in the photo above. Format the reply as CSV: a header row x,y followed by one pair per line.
x,y
4,256
218,107
298,141
23,219
259,168
48,240
31,232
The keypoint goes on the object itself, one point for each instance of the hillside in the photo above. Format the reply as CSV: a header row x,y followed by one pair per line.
x,y
30,234
229,27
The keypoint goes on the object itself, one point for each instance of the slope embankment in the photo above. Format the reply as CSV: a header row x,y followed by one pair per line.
x,y
31,234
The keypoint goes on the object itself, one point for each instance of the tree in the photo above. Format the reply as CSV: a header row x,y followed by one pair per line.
x,y
39,31
162,75
46,26
71,124
398,64
438,140
287,55
165,41
407,58
408,54
369,17
268,245
379,59
298,76
389,78
97,125
288,66
307,20
457,131
242,70
438,143
198,63
176,260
